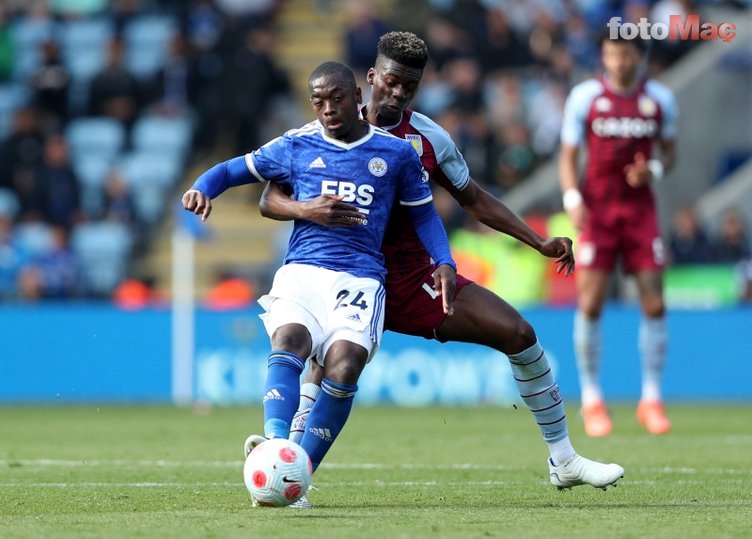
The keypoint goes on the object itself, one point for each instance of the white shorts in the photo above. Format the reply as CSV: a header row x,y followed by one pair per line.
x,y
332,305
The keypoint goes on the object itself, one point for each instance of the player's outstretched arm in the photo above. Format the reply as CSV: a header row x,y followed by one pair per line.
x,y
569,181
493,213
213,183
432,234
325,210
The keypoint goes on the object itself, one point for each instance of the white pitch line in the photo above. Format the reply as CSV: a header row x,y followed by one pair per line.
x,y
123,463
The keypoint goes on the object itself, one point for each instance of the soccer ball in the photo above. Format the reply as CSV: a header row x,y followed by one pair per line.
x,y
277,472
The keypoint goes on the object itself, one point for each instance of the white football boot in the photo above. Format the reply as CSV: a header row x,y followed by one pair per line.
x,y
251,442
581,471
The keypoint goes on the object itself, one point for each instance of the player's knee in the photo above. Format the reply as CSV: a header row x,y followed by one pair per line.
x,y
292,338
521,337
653,307
344,372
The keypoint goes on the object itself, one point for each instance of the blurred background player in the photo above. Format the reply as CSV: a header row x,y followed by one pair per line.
x,y
619,117
327,300
411,306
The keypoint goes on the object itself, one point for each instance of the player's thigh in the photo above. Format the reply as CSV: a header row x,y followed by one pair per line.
x,y
291,327
482,317
592,288
355,315
650,289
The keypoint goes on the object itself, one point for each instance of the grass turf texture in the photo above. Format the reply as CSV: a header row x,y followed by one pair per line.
x,y
434,472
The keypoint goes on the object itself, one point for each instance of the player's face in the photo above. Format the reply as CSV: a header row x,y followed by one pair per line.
x,y
393,87
335,103
620,60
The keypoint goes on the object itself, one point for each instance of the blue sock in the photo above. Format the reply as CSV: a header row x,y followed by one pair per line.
x,y
281,392
327,418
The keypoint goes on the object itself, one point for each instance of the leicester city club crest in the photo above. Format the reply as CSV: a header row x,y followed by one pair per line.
x,y
417,143
377,166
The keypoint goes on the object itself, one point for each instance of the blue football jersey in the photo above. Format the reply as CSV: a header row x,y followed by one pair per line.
x,y
371,173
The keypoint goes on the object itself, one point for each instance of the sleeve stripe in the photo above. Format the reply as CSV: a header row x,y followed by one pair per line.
x,y
252,167
420,202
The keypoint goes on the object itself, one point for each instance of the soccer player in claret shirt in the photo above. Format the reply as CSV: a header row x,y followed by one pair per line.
x,y
411,308
619,117
327,300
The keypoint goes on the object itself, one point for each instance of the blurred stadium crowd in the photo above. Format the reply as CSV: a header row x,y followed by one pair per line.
x,y
105,105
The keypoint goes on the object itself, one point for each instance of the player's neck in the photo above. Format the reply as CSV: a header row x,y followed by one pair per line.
x,y
372,116
625,86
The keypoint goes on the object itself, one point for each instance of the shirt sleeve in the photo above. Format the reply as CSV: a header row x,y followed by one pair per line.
x,y
576,111
273,161
669,108
413,188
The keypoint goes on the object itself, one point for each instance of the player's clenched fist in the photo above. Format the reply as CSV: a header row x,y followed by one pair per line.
x,y
198,203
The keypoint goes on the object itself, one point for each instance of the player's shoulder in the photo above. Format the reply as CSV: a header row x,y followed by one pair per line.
x,y
384,137
659,91
311,128
437,135
587,89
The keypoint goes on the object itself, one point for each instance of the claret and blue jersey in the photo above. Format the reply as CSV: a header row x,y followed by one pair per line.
x,y
372,173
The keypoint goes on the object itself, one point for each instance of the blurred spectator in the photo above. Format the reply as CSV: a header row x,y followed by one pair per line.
x,y
172,90
229,292
732,243
117,204
363,30
498,47
114,91
12,256
57,273
7,52
688,243
50,84
745,278
59,183
22,150
134,294
250,82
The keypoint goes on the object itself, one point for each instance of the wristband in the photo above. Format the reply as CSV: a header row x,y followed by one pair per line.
x,y
571,199
655,166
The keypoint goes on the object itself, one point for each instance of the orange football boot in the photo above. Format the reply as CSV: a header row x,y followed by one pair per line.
x,y
651,415
597,421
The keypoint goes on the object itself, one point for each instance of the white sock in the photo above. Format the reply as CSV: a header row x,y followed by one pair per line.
x,y
308,394
652,342
561,451
587,346
540,392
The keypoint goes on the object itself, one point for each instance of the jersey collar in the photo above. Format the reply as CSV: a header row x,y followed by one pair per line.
x,y
346,145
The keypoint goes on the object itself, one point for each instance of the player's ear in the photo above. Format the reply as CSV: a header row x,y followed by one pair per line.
x,y
370,75
358,95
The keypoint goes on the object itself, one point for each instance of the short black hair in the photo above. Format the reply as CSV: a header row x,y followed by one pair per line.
x,y
637,41
405,48
333,68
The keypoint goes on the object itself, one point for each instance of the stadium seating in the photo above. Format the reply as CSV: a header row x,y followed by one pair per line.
x,y
101,136
163,136
103,249
12,96
92,171
150,177
147,38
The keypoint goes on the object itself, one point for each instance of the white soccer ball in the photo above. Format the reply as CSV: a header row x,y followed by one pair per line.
x,y
277,472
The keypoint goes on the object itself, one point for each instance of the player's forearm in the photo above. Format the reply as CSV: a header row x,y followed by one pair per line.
x,y
493,213
222,176
431,233
275,204
568,176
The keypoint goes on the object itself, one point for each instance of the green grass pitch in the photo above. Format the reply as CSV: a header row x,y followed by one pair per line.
x,y
433,472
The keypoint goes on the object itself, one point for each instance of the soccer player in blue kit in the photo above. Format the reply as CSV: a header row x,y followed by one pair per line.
x,y
327,300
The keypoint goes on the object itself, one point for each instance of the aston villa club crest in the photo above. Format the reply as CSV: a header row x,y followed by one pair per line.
x,y
647,106
417,143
